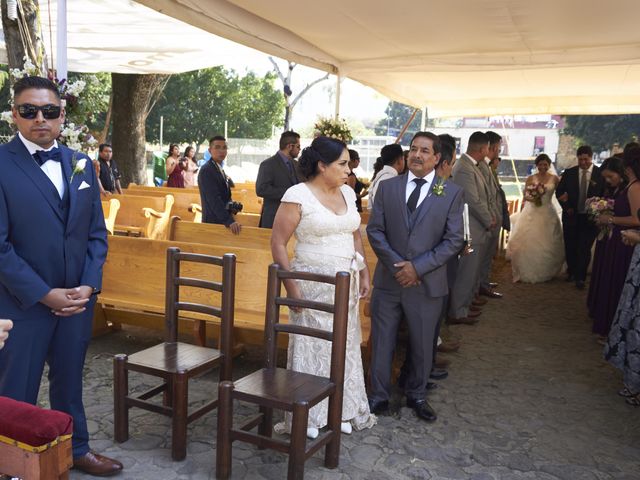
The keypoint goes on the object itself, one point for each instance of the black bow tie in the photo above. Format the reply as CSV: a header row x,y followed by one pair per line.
x,y
41,156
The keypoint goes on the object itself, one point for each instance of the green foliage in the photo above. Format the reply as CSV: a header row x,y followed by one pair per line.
x,y
602,131
92,110
196,104
329,127
5,100
398,114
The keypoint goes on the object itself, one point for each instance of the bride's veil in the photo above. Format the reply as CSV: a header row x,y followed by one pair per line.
x,y
554,200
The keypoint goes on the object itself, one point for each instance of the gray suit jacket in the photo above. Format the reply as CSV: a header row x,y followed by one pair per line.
x,y
469,177
273,180
495,199
429,237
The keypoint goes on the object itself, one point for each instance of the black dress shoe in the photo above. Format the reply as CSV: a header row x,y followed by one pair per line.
x,y
490,293
432,385
438,374
570,278
423,409
378,407
493,285
579,284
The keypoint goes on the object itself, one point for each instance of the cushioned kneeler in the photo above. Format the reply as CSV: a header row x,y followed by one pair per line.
x,y
35,444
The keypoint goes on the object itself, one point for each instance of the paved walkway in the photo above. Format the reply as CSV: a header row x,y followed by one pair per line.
x,y
528,397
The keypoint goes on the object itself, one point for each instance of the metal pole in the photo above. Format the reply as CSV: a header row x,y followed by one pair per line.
x,y
61,36
161,129
337,111
423,119
226,129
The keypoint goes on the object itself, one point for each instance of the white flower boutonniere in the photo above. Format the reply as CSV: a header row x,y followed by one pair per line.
x,y
77,166
438,188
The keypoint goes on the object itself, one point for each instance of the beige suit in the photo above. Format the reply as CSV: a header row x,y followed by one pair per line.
x,y
495,202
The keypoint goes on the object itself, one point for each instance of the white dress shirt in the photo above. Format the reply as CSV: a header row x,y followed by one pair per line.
x,y
411,185
51,168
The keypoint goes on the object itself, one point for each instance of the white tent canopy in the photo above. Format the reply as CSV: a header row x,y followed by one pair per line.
x,y
458,57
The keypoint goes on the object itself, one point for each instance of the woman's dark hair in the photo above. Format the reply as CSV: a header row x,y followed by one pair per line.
x,y
187,150
632,160
323,149
615,165
171,147
389,155
353,155
543,157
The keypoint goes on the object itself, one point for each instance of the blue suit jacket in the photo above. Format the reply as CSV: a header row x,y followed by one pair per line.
x,y
38,249
433,238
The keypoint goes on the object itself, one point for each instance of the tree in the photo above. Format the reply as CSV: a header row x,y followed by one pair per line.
x,y
21,35
286,89
397,115
602,131
133,97
196,104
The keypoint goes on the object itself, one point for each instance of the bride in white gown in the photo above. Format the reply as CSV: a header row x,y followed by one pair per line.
x,y
536,245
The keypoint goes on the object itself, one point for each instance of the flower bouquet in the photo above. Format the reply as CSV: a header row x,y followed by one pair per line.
x,y
330,127
533,193
597,206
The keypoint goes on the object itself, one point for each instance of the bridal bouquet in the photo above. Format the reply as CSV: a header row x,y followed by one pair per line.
x,y
534,193
597,206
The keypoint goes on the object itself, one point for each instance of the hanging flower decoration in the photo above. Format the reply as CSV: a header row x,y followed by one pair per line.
x,y
329,127
76,137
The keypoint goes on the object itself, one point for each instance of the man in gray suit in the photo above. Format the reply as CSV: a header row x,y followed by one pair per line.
x,y
495,205
415,228
276,175
467,174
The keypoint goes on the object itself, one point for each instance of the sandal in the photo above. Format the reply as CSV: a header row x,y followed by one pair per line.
x,y
625,392
634,401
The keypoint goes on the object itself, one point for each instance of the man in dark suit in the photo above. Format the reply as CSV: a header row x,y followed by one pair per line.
x,y
576,185
53,243
215,193
415,228
276,175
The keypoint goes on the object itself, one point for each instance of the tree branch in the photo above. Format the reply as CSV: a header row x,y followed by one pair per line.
x,y
306,89
278,71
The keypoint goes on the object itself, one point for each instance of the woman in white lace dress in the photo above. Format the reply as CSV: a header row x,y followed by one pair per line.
x,y
322,214
536,245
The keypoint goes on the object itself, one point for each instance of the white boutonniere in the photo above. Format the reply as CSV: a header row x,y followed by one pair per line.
x,y
77,166
438,188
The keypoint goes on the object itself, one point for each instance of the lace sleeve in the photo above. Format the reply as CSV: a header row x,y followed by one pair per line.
x,y
293,195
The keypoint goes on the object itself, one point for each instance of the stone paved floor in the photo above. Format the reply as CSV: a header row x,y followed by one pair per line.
x,y
528,397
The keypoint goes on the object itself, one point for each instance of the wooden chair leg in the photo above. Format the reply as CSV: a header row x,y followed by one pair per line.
x,y
225,422
167,395
120,392
298,445
266,426
334,420
179,417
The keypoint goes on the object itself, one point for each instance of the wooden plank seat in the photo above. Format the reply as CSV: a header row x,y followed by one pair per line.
x,y
110,210
143,216
177,362
183,197
35,443
296,392
133,290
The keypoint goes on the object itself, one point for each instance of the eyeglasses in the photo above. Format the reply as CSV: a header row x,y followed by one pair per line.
x,y
28,111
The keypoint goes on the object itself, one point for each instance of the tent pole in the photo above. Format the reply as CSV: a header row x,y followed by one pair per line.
x,y
61,37
406,125
337,110
423,119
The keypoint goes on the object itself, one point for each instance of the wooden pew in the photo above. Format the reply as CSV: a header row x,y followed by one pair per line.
x,y
183,197
144,216
110,210
245,219
133,290
250,201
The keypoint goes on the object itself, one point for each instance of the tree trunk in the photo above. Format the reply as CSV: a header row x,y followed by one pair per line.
x,y
133,97
15,48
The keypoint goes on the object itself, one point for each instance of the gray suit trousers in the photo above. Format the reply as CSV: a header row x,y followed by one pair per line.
x,y
421,313
467,281
487,258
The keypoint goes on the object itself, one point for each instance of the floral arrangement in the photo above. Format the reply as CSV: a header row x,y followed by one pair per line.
x,y
329,127
533,193
76,137
597,206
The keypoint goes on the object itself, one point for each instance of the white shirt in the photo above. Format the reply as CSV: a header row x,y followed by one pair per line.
x,y
52,169
386,173
411,185
580,173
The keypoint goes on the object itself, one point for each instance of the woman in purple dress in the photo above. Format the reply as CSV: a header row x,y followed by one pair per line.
x,y
612,257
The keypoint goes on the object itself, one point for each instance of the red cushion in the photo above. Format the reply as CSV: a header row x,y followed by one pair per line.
x,y
32,425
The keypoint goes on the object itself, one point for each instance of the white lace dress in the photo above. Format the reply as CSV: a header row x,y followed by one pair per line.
x,y
536,245
325,245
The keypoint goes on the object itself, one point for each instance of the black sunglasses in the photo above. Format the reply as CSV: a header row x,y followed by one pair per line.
x,y
28,111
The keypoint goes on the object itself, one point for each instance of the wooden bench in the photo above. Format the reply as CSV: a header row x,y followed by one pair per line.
x,y
183,197
133,290
245,219
143,216
251,202
110,210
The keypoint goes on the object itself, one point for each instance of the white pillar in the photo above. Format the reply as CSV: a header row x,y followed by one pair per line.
x,y
337,110
423,120
61,39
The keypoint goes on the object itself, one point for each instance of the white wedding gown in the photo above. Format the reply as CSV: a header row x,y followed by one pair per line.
x,y
536,245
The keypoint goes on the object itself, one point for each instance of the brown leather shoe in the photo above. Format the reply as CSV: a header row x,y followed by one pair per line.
x,y
441,362
473,314
479,301
448,347
97,465
462,321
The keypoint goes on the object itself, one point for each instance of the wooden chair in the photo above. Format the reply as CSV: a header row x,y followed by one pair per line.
x,y
110,210
283,389
176,362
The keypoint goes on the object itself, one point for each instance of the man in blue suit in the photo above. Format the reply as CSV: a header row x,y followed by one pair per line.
x,y
53,244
